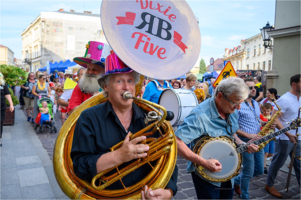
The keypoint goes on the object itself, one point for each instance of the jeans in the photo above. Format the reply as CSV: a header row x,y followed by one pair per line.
x,y
206,190
283,148
252,166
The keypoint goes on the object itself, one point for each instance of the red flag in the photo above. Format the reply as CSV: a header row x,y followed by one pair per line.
x,y
178,41
128,19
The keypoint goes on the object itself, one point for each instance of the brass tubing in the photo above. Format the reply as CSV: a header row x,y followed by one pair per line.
x,y
133,166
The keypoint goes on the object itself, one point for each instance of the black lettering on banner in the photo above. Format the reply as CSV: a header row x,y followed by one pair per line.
x,y
160,26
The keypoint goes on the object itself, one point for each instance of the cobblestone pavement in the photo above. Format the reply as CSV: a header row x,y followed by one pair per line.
x,y
185,185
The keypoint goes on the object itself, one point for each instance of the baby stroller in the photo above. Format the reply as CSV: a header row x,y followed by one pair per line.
x,y
40,127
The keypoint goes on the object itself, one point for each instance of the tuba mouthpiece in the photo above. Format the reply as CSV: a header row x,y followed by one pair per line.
x,y
127,95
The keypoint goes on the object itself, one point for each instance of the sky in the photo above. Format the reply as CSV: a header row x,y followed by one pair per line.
x,y
223,23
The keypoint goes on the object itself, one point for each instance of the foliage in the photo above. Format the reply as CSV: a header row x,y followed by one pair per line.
x,y
13,97
203,68
13,76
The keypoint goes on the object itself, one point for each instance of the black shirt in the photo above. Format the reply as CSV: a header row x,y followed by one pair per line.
x,y
4,91
97,130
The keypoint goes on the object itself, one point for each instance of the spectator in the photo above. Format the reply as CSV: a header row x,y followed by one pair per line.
x,y
61,79
66,96
54,75
176,85
56,83
259,90
211,88
63,109
4,94
190,81
40,88
28,96
289,104
271,94
266,110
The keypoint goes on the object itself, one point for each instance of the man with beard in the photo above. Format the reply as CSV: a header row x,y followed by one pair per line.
x,y
94,61
86,87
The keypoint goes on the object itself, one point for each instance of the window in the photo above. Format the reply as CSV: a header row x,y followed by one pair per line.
x,y
263,65
259,49
254,50
253,66
264,50
248,53
247,67
270,65
258,66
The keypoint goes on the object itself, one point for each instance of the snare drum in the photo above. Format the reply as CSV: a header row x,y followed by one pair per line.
x,y
180,102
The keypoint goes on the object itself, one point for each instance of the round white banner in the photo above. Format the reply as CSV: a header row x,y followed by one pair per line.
x,y
159,39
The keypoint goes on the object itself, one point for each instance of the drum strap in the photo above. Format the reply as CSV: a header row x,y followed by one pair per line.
x,y
160,87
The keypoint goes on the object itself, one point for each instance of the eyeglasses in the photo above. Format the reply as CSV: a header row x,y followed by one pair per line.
x,y
255,87
233,104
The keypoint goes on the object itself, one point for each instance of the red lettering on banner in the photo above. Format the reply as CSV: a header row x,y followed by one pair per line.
x,y
178,41
152,50
171,17
160,52
128,19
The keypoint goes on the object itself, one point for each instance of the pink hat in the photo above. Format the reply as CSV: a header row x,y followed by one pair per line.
x,y
115,66
94,52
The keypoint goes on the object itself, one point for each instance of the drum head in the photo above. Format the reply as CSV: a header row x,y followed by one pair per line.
x,y
158,38
225,153
169,99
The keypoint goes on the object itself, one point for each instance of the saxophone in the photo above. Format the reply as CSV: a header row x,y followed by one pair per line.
x,y
265,129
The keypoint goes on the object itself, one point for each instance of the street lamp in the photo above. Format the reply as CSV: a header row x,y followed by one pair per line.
x,y
267,43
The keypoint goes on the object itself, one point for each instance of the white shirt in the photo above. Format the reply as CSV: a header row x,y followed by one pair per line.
x,y
289,105
268,101
66,96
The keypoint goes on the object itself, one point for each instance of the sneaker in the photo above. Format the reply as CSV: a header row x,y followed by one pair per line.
x,y
265,171
269,158
32,121
28,119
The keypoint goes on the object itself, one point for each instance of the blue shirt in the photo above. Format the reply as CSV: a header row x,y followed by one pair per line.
x,y
204,120
153,91
249,118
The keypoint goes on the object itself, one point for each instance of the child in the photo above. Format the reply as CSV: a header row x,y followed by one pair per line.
x,y
59,91
266,110
45,118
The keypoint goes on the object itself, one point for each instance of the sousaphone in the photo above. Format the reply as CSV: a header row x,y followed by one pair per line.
x,y
160,43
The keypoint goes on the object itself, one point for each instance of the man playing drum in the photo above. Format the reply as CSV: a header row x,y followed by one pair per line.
x,y
103,126
214,117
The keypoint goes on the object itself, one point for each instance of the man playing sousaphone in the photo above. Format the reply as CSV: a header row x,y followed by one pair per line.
x,y
217,116
102,126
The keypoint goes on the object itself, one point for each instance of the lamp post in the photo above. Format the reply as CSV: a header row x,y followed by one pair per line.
x,y
267,42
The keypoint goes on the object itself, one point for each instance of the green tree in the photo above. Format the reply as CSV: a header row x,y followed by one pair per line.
x,y
203,67
13,76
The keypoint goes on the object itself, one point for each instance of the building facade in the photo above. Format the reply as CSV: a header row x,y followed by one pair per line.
x,y
18,62
59,36
250,55
287,42
6,56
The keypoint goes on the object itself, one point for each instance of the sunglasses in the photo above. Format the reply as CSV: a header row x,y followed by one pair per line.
x,y
44,78
251,87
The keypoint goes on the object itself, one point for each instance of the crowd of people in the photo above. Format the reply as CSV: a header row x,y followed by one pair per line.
x,y
235,108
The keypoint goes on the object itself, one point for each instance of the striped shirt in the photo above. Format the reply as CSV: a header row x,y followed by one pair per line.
x,y
247,120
